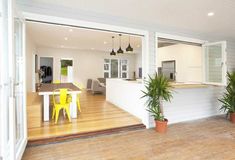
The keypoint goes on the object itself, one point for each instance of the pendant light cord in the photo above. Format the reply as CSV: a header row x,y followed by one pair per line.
x,y
112,42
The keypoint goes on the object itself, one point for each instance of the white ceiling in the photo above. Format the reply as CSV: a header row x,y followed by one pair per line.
x,y
190,15
56,36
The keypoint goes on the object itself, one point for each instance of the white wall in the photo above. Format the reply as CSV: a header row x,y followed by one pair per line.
x,y
130,99
86,64
193,103
30,50
188,61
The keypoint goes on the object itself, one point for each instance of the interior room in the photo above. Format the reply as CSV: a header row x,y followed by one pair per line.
x,y
181,62
62,56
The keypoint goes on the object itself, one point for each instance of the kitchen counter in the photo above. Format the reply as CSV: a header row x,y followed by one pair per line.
x,y
190,101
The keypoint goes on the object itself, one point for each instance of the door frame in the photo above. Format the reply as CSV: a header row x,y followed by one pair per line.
x,y
144,34
14,151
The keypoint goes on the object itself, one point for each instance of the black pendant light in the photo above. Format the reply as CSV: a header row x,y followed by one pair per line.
x,y
113,53
120,42
129,48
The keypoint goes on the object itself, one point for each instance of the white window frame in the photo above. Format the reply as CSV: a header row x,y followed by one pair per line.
x,y
224,63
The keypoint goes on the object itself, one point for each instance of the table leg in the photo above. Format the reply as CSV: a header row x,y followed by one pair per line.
x,y
73,107
46,107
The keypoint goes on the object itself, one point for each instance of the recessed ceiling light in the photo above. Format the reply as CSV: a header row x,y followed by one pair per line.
x,y
62,46
138,46
66,38
70,30
210,14
105,42
92,48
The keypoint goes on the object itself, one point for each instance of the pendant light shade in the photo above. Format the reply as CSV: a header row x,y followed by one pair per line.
x,y
129,48
120,42
112,53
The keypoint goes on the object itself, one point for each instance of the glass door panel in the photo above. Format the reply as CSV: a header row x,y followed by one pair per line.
x,y
18,76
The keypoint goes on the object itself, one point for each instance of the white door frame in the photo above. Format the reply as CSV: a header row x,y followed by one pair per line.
x,y
13,151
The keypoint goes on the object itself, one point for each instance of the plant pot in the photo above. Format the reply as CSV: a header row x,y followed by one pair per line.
x,y
161,126
232,117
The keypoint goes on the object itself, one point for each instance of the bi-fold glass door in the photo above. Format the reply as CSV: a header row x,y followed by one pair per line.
x,y
4,82
12,83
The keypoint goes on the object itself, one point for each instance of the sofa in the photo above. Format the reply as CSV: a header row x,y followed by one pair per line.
x,y
97,87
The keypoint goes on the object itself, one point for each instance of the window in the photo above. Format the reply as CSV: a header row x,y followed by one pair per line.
x,y
214,63
106,68
124,68
186,62
115,68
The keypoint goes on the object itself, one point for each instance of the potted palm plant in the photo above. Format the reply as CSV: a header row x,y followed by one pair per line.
x,y
228,99
157,89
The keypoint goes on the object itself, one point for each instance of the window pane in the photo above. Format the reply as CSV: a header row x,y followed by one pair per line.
x,y
213,63
124,67
106,67
106,75
114,68
106,61
124,75
124,62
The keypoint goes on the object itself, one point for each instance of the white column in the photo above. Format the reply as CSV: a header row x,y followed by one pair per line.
x,y
149,66
73,106
70,74
46,107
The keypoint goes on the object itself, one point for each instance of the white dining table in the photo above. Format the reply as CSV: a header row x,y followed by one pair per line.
x,y
47,89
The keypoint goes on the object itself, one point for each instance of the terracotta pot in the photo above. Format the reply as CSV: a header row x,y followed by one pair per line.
x,y
161,126
232,117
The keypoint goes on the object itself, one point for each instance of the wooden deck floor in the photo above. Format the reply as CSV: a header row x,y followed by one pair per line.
x,y
206,139
96,115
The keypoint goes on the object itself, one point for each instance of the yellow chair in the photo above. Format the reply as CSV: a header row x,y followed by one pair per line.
x,y
80,86
56,81
63,104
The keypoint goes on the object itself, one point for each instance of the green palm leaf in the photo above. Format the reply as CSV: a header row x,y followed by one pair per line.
x,y
157,88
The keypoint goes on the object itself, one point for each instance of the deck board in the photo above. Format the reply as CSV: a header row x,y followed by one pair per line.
x,y
97,115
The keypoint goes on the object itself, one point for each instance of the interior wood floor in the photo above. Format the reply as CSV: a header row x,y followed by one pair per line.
x,y
206,139
97,115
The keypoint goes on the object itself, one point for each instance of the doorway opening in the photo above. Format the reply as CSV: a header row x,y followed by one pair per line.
x,y
46,66
66,70
88,65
